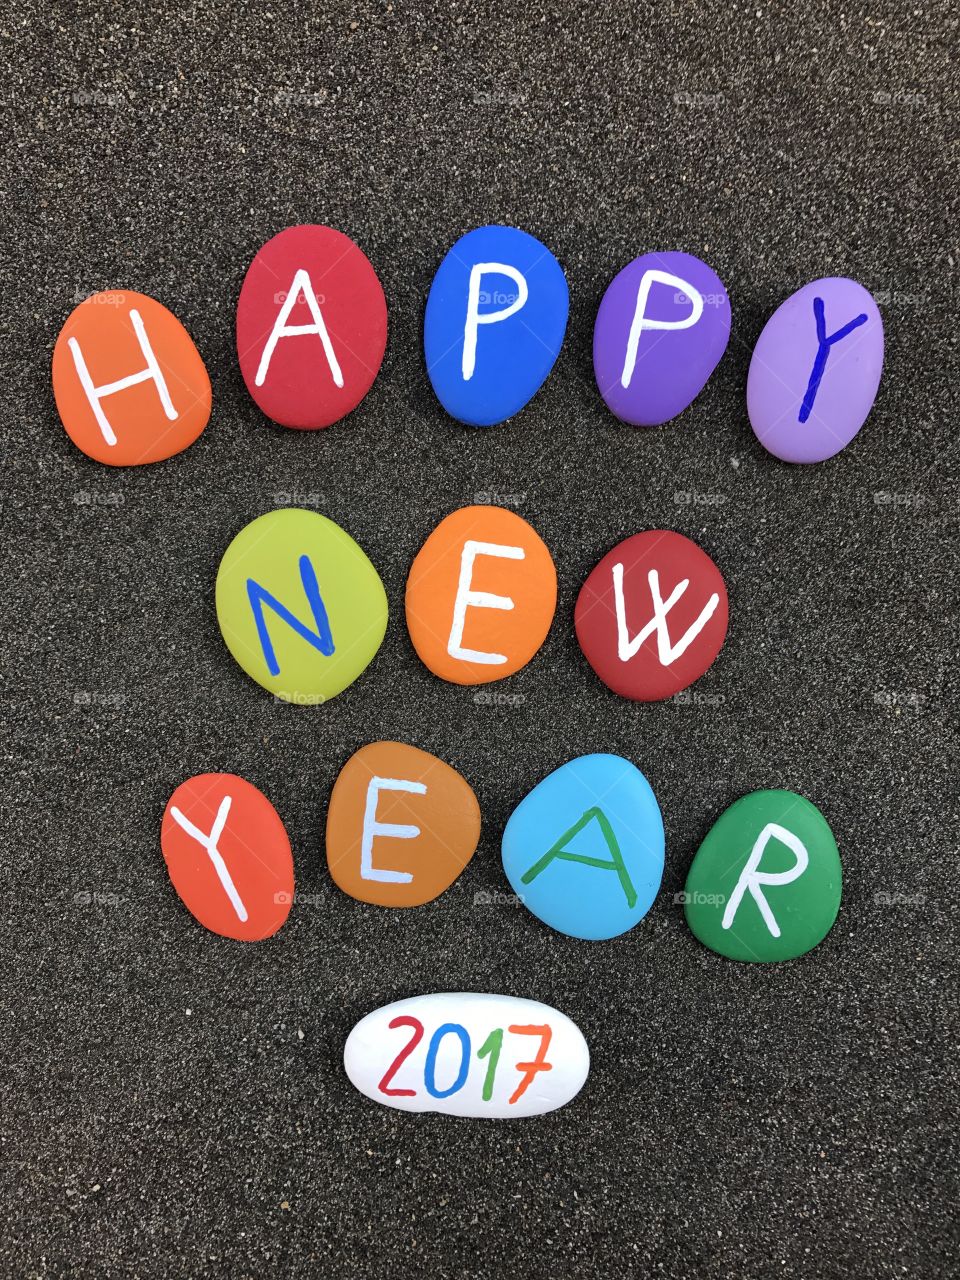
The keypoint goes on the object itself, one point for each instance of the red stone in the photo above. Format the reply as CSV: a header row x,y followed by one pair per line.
x,y
255,878
609,622
299,373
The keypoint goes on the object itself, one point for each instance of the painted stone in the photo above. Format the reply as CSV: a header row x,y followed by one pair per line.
x,y
301,608
662,326
401,826
652,616
584,850
494,325
468,1054
311,327
765,884
815,370
481,595
129,383
228,856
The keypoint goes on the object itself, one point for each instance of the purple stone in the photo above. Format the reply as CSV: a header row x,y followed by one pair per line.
x,y
662,327
815,370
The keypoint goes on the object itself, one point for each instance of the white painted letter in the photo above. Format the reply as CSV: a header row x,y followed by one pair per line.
x,y
372,828
210,844
467,597
751,879
667,653
150,373
301,284
474,318
641,322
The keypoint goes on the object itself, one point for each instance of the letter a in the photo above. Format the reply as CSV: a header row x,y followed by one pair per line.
x,y
301,285
559,852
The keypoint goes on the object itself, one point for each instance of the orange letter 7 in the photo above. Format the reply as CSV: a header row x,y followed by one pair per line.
x,y
539,1063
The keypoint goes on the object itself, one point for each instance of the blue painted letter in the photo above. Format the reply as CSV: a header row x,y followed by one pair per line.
x,y
321,639
824,344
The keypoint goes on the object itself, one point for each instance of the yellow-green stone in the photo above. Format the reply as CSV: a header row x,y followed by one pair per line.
x,y
300,606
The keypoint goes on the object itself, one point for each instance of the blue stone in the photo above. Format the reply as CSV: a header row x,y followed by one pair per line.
x,y
494,325
584,850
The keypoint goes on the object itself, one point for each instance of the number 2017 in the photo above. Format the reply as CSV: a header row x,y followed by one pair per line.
x,y
490,1050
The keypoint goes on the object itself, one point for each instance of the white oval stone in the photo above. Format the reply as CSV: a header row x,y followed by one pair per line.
x,y
468,1054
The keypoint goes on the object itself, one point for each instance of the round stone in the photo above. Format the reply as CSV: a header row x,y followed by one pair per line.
x,y
584,850
228,856
311,327
129,383
481,595
662,326
815,370
468,1054
652,616
401,826
765,884
494,325
300,606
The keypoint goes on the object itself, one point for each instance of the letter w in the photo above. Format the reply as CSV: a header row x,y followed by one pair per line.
x,y
321,639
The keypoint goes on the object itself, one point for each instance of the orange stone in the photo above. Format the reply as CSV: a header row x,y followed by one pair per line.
x,y
130,386
481,595
401,826
228,856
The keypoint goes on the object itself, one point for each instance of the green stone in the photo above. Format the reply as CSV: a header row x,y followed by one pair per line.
x,y
765,884
300,606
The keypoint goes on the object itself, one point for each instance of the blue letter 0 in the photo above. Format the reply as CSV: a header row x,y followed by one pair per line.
x,y
430,1066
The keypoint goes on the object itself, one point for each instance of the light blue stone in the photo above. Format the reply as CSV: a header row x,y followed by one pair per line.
x,y
584,850
491,335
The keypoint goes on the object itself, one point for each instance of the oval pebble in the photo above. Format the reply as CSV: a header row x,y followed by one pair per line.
x,y
481,595
311,327
662,326
401,825
584,850
129,383
765,884
815,370
228,856
468,1054
652,616
494,324
301,608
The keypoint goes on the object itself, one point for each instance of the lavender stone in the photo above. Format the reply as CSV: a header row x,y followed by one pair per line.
x,y
815,370
662,327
